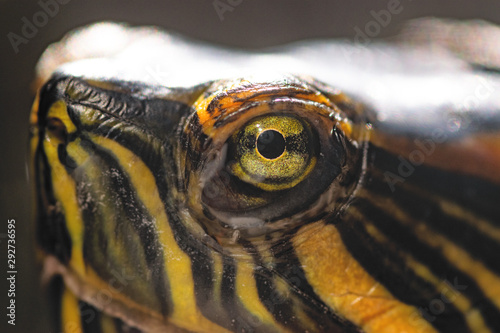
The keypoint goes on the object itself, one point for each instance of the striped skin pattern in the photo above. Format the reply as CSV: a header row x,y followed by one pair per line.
x,y
142,228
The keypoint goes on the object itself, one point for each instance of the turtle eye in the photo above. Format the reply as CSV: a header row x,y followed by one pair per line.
x,y
273,152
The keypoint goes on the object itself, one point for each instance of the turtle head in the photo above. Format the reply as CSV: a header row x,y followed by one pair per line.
x,y
188,206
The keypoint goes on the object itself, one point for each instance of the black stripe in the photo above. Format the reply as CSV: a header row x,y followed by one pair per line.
x,y
192,140
54,293
128,210
421,208
234,116
280,306
203,277
405,238
439,265
390,270
241,320
67,161
52,233
476,194
228,295
468,192
90,318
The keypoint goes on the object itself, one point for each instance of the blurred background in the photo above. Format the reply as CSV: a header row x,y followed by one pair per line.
x,y
239,23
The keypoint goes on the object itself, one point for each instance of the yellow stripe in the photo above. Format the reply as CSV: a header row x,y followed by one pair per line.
x,y
345,286
65,192
246,289
218,271
461,302
70,313
178,264
108,324
453,209
488,282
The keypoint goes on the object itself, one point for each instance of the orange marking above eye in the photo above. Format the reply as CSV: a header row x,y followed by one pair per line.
x,y
229,99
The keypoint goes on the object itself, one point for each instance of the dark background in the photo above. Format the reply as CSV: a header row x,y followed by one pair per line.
x,y
251,24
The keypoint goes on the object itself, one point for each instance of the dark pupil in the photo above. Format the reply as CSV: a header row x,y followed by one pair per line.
x,y
271,144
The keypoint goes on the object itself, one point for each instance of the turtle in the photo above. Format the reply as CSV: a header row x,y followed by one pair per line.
x,y
319,186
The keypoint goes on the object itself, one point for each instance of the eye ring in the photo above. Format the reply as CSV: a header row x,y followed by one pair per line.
x,y
270,144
